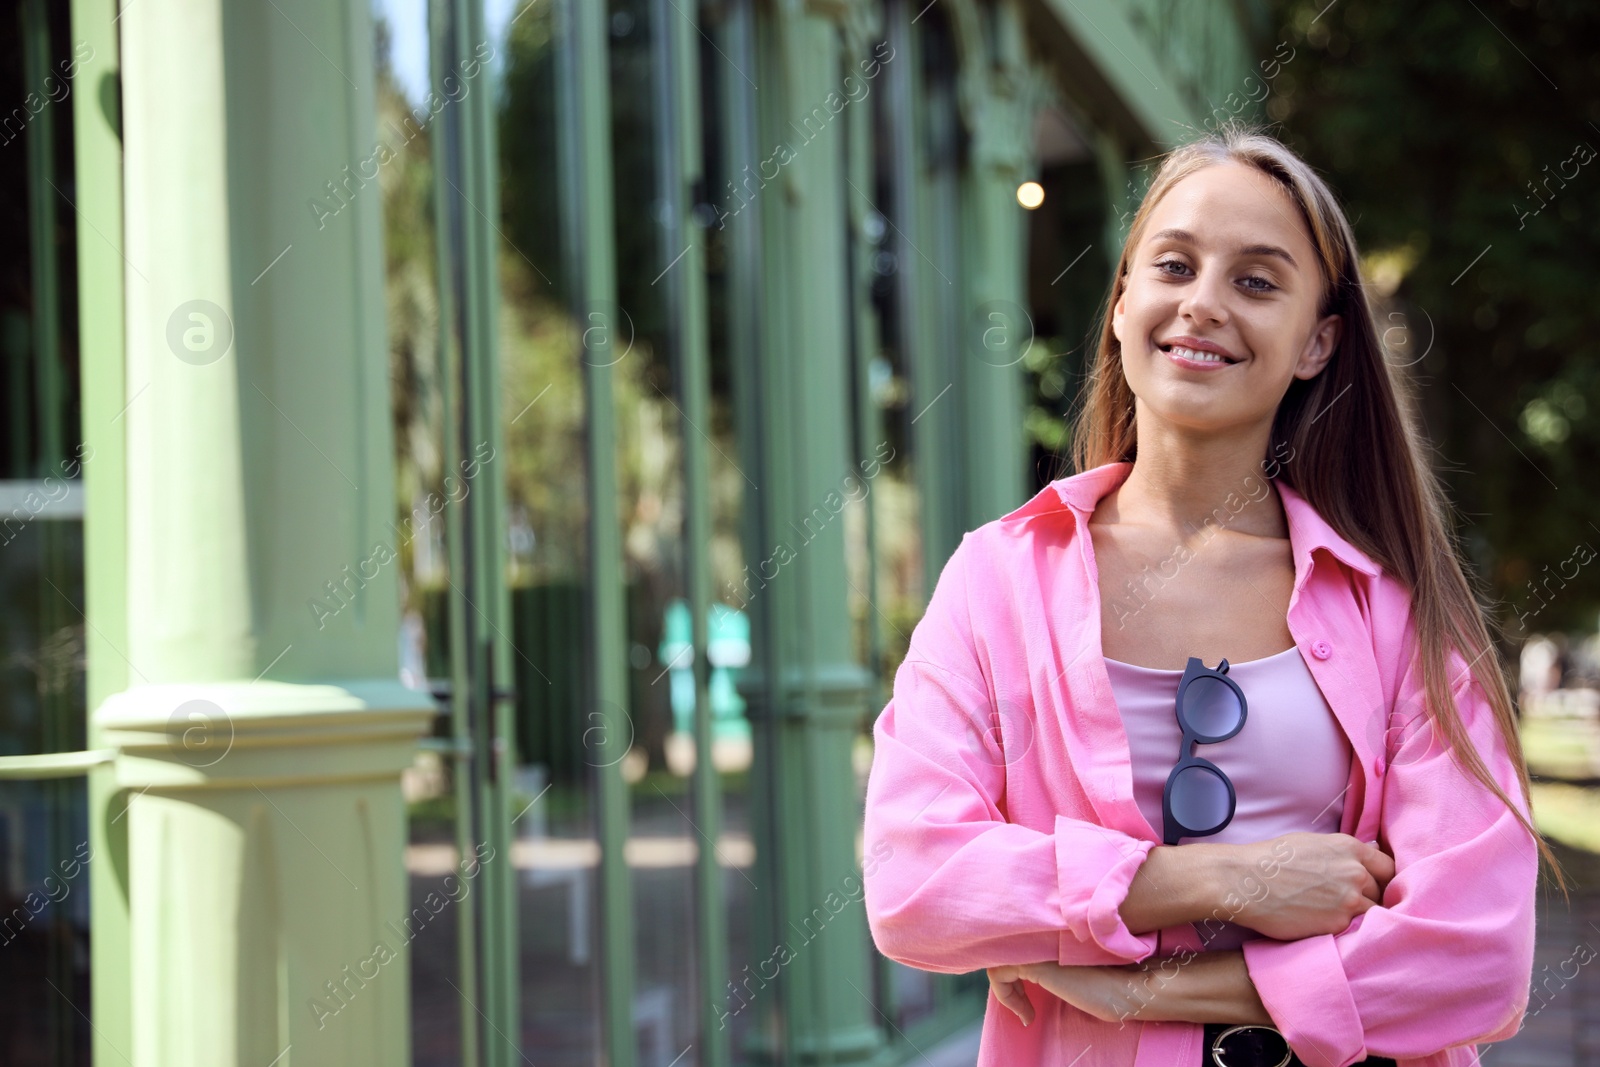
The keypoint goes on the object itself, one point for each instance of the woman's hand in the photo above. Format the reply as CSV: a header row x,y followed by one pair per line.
x,y
1201,987
1105,992
1287,888
1303,884
1006,984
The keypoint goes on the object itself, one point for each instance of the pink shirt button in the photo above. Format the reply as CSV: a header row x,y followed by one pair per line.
x,y
1321,649
1377,766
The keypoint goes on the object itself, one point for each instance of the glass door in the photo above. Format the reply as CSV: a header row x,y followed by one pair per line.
x,y
44,835
575,248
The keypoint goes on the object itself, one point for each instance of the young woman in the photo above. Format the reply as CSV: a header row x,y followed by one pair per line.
x,y
1254,520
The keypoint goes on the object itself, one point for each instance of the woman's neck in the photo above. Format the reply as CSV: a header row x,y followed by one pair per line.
x,y
1181,480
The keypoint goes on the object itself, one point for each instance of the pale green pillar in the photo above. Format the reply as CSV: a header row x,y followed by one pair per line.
x,y
809,695
262,729
102,276
1000,92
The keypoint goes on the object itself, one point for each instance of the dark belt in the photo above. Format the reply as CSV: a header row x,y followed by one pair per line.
x,y
1257,1046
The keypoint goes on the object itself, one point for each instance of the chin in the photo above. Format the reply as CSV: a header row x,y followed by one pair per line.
x,y
1211,415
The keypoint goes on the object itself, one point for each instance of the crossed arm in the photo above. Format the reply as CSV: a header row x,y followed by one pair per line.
x,y
1291,887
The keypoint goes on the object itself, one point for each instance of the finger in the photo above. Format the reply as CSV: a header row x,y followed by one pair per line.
x,y
1379,863
1012,997
1000,981
1370,889
1006,982
995,981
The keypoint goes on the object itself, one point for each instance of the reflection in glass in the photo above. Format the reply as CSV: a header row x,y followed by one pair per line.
x,y
663,838
44,846
44,828
407,126
543,419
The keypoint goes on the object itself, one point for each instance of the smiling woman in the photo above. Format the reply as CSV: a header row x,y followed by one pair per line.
x,y
1387,920
1223,264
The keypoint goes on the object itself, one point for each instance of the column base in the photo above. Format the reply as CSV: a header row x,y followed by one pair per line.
x,y
267,893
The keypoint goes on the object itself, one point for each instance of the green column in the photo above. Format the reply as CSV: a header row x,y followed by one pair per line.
x,y
1122,195
999,91
926,210
862,33
809,696
102,273
262,728
686,290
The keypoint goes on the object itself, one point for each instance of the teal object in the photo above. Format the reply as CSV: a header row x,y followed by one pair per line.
x,y
727,652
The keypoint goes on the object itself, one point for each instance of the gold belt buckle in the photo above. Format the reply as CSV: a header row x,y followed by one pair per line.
x,y
1216,1045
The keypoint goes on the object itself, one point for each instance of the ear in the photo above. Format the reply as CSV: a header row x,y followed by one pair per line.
x,y
1117,311
1320,347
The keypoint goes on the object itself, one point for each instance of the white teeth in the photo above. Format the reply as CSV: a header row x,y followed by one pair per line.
x,y
1196,356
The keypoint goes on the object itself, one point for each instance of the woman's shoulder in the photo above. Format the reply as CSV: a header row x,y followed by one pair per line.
x,y
1049,514
1003,572
1016,543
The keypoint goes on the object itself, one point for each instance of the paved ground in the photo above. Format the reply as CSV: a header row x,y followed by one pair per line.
x,y
1562,1028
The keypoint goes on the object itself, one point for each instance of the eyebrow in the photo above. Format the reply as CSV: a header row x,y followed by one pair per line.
x,y
1247,250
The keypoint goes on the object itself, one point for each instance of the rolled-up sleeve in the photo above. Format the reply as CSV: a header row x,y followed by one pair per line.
x,y
1447,958
955,886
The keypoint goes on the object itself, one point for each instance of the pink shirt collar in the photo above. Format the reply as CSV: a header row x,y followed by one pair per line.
x,y
1308,530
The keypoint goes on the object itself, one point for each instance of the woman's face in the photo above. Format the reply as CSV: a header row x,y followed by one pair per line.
x,y
1225,263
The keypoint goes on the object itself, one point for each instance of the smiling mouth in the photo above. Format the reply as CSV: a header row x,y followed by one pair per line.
x,y
1194,355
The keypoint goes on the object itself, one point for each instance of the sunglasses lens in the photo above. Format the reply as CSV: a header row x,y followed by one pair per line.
x,y
1211,707
1200,799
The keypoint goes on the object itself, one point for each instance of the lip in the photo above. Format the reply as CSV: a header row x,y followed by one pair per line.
x,y
1190,364
1198,345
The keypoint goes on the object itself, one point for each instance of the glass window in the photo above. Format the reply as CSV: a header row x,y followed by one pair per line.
x,y
408,124
545,324
1067,265
44,849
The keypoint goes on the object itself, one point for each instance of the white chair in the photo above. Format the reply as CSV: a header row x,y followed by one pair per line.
x,y
533,826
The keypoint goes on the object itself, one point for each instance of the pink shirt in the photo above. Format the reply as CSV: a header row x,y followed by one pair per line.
x,y
1289,764
1001,803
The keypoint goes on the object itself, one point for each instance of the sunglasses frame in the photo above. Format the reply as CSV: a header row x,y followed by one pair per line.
x,y
1172,829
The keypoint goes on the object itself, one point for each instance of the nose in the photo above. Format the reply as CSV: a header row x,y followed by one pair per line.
x,y
1204,298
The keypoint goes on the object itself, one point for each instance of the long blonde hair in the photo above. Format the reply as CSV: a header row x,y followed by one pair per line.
x,y
1366,472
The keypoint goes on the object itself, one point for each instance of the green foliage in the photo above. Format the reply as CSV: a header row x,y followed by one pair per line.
x,y
1445,129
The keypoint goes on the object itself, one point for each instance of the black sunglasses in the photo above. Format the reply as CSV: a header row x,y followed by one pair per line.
x,y
1198,800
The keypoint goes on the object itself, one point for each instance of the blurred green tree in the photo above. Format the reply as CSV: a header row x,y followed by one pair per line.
x,y
1461,139
1463,142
